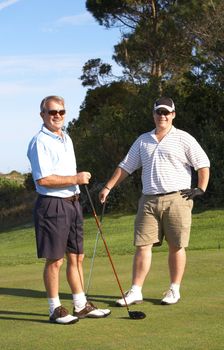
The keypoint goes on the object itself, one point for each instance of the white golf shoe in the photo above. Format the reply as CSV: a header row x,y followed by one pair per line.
x,y
170,297
131,297
61,316
91,311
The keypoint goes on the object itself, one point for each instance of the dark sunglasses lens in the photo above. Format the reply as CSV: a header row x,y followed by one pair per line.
x,y
62,112
162,112
54,112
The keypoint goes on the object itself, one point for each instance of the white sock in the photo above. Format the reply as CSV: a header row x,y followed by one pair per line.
x,y
136,289
175,287
79,301
53,303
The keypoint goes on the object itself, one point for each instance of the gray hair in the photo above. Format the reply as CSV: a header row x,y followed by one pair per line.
x,y
58,99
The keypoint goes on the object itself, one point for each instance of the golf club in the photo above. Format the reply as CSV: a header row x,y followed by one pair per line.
x,y
135,315
94,251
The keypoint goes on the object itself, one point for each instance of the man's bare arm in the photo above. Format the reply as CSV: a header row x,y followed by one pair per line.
x,y
53,181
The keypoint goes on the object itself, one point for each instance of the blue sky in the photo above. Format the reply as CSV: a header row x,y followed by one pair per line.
x,y
43,47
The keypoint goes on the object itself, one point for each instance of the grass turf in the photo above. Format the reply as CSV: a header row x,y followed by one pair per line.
x,y
196,322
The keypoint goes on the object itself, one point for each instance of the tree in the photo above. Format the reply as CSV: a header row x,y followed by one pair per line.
x,y
111,118
209,56
166,47
96,73
157,41
106,127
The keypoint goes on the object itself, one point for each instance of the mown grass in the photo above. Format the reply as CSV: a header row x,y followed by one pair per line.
x,y
196,322
17,246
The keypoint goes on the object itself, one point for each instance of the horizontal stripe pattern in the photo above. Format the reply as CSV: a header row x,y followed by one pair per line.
x,y
166,165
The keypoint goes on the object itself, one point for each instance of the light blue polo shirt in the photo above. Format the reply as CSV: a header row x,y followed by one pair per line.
x,y
50,154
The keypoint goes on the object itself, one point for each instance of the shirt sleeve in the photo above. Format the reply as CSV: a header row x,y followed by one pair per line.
x,y
195,154
40,160
132,160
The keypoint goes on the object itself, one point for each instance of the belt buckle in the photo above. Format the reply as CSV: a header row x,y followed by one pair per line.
x,y
73,198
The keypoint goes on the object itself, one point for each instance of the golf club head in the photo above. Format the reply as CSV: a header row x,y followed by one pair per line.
x,y
137,315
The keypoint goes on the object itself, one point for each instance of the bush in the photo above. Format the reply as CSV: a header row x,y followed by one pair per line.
x,y
16,202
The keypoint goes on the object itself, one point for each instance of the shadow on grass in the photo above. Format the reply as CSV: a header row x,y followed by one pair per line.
x,y
104,298
20,292
31,293
107,299
15,316
153,301
16,226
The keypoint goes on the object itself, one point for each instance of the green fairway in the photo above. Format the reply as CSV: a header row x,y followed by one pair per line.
x,y
196,322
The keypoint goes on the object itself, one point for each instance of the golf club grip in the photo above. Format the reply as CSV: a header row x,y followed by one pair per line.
x,y
105,244
102,213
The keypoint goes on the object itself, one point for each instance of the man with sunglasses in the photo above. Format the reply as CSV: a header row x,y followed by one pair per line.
x,y
58,213
166,156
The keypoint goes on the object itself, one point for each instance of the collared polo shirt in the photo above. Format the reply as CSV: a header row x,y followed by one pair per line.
x,y
166,165
50,154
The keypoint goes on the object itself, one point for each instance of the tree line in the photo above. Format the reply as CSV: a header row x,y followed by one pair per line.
x,y
173,48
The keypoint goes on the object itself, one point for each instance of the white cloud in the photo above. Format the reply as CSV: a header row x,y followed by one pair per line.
x,y
39,74
32,87
12,89
7,3
26,66
22,65
76,20
82,19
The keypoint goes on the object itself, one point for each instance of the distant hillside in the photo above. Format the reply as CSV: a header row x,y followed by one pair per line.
x,y
14,175
16,199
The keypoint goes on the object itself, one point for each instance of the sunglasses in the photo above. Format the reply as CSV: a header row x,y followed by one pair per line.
x,y
55,112
162,112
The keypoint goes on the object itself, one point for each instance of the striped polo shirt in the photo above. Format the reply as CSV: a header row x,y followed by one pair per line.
x,y
166,165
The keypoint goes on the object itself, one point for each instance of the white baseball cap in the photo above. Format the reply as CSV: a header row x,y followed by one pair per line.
x,y
165,103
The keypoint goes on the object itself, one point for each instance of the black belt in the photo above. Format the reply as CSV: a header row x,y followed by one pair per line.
x,y
163,194
73,198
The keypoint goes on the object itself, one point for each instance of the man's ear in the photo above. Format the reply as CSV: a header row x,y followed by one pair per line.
x,y
174,115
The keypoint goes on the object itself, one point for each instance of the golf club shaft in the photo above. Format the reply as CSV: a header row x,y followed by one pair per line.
x,y
106,247
94,251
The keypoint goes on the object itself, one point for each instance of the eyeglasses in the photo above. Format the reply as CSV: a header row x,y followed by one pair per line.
x,y
55,112
162,112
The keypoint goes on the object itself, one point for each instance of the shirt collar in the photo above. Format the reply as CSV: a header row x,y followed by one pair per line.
x,y
51,134
172,130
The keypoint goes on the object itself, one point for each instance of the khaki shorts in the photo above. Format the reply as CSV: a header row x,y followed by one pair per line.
x,y
166,216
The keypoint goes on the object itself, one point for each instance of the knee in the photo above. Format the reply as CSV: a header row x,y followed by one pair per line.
x,y
80,258
75,259
144,248
174,249
144,251
54,264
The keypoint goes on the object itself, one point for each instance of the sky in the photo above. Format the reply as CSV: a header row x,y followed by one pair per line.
x,y
43,47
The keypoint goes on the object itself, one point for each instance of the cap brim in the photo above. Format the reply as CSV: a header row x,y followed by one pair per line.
x,y
170,109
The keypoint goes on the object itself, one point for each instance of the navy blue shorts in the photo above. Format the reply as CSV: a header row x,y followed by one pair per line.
x,y
58,227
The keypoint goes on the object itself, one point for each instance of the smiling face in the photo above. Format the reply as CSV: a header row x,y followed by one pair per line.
x,y
53,116
163,119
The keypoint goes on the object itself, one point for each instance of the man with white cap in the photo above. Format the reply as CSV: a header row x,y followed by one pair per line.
x,y
166,156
